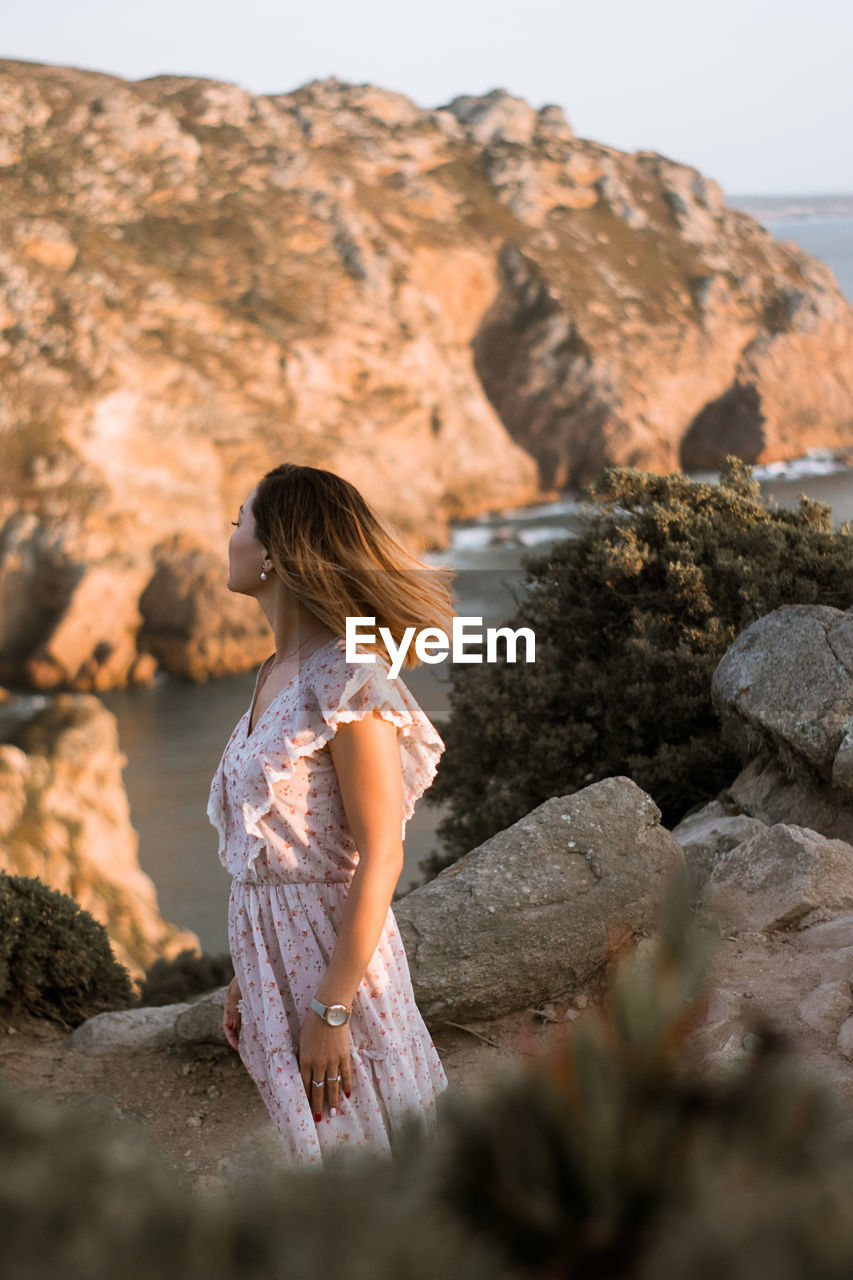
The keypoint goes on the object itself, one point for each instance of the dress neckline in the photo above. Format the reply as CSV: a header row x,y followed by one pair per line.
x,y
250,732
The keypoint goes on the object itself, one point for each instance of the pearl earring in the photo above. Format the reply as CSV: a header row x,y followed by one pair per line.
x,y
263,575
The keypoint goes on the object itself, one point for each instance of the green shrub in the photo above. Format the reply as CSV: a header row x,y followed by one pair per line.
x,y
188,974
56,961
631,618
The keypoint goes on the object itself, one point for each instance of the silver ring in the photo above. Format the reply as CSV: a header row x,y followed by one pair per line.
x,y
333,1078
318,1084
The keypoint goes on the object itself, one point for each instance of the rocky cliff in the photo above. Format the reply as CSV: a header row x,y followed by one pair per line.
x,y
64,818
457,309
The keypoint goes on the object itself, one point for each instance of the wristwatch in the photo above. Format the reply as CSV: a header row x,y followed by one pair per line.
x,y
335,1014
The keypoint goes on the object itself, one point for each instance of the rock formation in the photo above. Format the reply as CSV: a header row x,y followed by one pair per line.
x,y
535,910
453,308
782,895
784,693
710,831
64,818
531,917
197,1021
528,916
779,876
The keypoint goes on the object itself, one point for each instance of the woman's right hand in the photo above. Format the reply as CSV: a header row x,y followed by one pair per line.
x,y
231,1018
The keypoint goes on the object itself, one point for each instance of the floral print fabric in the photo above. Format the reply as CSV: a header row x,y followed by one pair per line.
x,y
284,837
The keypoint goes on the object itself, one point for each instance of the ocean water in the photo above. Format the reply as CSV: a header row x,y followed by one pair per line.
x,y
174,733
831,240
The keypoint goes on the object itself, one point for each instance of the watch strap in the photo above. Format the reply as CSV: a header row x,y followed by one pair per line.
x,y
323,1009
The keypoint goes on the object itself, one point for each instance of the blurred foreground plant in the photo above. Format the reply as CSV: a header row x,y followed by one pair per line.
x,y
616,1156
612,1156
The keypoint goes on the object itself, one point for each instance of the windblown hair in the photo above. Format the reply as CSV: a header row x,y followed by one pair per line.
x,y
340,560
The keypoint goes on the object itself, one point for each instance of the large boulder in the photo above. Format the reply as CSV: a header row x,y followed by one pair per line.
x,y
787,683
780,876
535,910
784,694
188,1023
129,1030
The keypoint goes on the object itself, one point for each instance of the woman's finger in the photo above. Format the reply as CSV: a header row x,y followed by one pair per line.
x,y
346,1075
318,1083
232,1021
333,1087
313,1078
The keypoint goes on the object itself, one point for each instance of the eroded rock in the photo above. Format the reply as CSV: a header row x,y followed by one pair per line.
x,y
787,682
534,911
453,308
64,818
779,876
128,1030
200,1021
767,791
710,832
826,1008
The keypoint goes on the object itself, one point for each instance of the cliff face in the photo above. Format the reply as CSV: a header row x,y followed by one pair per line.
x,y
64,818
452,308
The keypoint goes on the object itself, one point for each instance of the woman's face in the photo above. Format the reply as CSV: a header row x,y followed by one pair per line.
x,y
246,555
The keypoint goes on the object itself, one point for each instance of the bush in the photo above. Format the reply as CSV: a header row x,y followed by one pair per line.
x,y
56,961
188,974
631,618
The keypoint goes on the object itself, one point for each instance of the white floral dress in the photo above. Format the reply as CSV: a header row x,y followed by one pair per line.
x,y
284,836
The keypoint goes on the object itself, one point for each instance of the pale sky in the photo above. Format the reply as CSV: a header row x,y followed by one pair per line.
x,y
756,94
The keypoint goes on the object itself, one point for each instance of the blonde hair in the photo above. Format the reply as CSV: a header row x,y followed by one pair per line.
x,y
340,560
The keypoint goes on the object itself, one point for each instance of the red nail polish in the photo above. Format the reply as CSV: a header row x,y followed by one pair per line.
x,y
346,1095
316,1117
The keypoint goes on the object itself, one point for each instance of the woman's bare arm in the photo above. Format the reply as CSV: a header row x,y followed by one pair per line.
x,y
366,757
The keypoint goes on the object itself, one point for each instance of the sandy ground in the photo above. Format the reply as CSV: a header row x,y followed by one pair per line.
x,y
205,1114
199,1105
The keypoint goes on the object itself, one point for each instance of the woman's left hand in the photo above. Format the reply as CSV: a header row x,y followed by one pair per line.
x,y
324,1052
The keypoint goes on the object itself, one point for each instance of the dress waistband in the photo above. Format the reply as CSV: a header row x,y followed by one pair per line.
x,y
255,879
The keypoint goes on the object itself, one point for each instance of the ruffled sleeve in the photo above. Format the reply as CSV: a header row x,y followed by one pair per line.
x,y
216,810
336,692
217,806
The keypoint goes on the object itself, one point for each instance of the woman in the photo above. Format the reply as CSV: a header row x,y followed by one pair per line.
x,y
311,799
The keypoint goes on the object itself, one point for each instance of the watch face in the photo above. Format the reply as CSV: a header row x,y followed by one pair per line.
x,y
337,1015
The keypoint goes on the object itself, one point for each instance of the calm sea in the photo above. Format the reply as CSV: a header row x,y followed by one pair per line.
x,y
173,733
